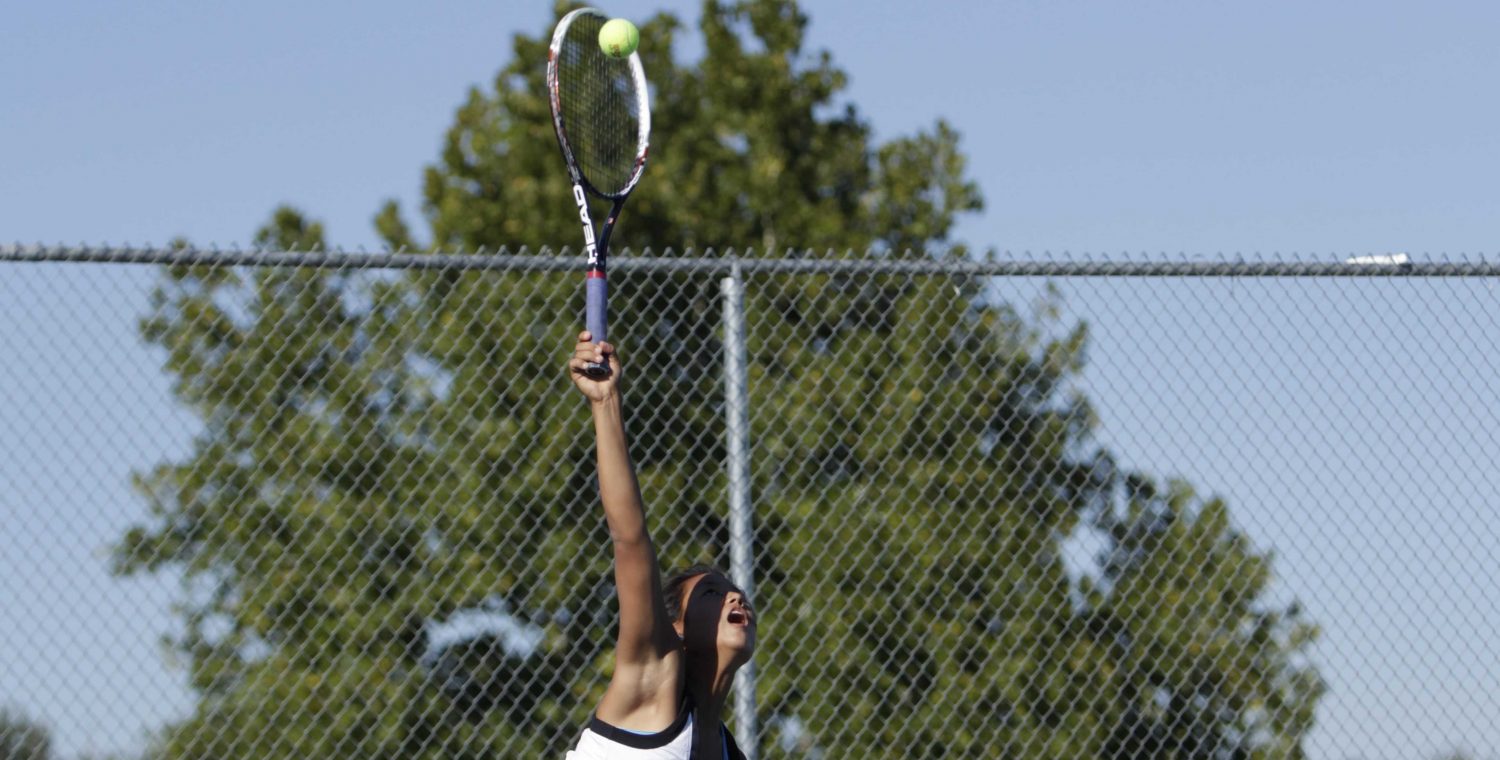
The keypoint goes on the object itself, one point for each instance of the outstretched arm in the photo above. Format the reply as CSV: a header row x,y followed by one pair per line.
x,y
646,636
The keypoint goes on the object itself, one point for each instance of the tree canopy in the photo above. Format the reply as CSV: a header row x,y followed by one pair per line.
x,y
387,520
22,738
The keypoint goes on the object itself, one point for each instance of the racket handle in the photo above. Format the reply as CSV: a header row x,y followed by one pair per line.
x,y
596,305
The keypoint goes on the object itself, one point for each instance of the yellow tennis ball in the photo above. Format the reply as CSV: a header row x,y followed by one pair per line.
x,y
619,38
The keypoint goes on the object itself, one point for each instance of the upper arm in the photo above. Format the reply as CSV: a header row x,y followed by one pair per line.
x,y
645,633
643,691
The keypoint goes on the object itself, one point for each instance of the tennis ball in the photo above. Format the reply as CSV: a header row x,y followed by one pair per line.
x,y
619,38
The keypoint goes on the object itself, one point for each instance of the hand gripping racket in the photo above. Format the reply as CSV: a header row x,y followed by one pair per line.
x,y
602,115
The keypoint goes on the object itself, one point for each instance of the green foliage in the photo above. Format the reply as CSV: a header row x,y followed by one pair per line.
x,y
22,738
752,144
382,455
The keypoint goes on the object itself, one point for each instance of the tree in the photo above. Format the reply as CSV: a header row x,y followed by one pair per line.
x,y
22,738
388,461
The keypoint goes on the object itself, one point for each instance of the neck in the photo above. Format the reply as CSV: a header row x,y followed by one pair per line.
x,y
709,685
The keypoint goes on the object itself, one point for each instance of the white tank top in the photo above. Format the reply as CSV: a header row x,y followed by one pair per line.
x,y
601,741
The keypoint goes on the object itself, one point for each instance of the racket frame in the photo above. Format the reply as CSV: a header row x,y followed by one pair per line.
x,y
596,247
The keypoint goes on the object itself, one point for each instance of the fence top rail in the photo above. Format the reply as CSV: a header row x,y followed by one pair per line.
x,y
714,262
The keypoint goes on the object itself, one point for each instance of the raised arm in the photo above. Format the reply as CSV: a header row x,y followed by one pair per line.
x,y
646,637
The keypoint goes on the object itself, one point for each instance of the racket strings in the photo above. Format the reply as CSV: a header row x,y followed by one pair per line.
x,y
600,107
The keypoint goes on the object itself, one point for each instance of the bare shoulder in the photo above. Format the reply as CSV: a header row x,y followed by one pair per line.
x,y
644,697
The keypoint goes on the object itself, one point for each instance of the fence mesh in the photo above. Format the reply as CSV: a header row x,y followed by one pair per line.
x,y
348,511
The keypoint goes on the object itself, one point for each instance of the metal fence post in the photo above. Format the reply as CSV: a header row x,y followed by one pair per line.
x,y
737,413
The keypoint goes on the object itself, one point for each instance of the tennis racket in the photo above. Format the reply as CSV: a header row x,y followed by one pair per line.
x,y
602,115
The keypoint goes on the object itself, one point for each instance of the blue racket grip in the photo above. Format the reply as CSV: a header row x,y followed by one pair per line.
x,y
596,305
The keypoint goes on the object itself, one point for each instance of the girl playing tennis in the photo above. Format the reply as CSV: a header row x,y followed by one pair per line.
x,y
680,645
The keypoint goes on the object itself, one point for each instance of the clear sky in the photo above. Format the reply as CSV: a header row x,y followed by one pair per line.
x,y
1322,128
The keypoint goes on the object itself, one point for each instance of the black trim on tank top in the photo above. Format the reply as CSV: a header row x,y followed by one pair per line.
x,y
642,741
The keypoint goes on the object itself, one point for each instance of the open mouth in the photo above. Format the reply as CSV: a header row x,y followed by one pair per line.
x,y
738,617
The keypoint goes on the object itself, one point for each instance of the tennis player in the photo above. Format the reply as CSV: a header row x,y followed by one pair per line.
x,y
680,644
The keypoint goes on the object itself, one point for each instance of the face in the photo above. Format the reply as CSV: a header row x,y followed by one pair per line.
x,y
717,615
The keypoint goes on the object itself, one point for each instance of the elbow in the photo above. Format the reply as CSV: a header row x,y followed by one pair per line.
x,y
630,539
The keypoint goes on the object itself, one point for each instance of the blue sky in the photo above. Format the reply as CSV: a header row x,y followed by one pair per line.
x,y
1272,126
1322,128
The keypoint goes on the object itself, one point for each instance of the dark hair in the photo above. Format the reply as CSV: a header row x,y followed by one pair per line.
x,y
673,589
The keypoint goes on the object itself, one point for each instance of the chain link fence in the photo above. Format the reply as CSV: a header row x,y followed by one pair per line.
x,y
341,505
